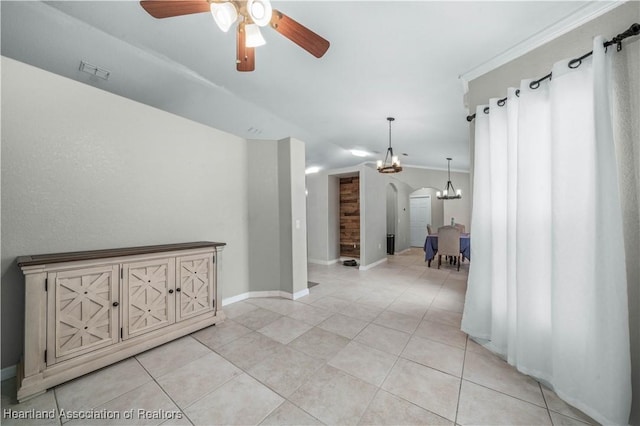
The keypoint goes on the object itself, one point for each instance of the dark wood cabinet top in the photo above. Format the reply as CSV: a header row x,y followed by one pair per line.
x,y
43,259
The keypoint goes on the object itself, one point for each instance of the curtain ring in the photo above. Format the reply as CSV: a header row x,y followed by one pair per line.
x,y
534,85
575,63
486,110
518,92
619,47
501,102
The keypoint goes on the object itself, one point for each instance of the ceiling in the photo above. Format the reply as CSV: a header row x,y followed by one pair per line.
x,y
387,58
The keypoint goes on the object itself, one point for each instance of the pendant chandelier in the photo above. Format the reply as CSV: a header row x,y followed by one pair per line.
x,y
394,165
449,193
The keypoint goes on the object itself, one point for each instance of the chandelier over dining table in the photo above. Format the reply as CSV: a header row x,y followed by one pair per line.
x,y
449,192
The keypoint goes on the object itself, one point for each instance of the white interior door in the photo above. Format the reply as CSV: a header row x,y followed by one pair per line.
x,y
419,217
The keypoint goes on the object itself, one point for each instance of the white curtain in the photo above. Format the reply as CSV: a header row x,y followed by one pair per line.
x,y
547,286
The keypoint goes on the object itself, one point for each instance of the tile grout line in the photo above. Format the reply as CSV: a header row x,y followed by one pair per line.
x,y
545,403
298,407
162,389
399,396
324,363
112,399
55,398
504,393
464,361
411,334
285,398
379,388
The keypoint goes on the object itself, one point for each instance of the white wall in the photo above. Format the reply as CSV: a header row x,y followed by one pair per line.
x,y
373,216
264,215
293,220
85,169
317,186
538,62
277,216
403,231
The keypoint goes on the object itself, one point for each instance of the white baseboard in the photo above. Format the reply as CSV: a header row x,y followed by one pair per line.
x,y
272,293
323,262
301,293
371,265
8,372
234,299
404,251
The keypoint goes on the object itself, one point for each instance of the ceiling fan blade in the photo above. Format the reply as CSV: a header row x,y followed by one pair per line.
x,y
299,34
169,8
245,56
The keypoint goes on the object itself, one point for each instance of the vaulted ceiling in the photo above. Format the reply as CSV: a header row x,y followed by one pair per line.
x,y
387,58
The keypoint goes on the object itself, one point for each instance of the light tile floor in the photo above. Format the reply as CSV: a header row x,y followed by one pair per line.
x,y
380,347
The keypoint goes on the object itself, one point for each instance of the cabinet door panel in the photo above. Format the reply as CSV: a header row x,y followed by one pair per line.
x,y
148,301
195,281
81,311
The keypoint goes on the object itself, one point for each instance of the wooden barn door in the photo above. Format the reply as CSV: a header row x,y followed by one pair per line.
x,y
350,217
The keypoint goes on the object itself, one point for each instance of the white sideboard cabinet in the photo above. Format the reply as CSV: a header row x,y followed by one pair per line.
x,y
86,310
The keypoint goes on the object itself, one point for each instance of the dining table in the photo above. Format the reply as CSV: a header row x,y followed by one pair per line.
x,y
431,247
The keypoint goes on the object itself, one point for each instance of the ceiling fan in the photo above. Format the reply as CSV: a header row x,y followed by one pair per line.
x,y
250,16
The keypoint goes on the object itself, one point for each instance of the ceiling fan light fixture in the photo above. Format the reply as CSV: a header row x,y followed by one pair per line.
x,y
253,14
253,36
260,11
225,15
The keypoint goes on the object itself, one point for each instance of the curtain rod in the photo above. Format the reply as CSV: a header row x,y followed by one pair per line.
x,y
633,30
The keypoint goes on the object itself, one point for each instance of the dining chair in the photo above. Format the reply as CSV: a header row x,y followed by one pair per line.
x,y
460,226
449,243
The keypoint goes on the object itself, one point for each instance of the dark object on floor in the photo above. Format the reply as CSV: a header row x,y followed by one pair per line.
x,y
350,262
391,243
311,284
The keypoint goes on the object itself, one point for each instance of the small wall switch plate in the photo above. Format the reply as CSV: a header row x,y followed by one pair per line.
x,y
297,223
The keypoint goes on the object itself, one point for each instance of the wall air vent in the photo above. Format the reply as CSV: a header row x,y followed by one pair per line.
x,y
95,71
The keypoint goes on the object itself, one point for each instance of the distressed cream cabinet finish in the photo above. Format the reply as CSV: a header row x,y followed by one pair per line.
x,y
86,310
148,300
